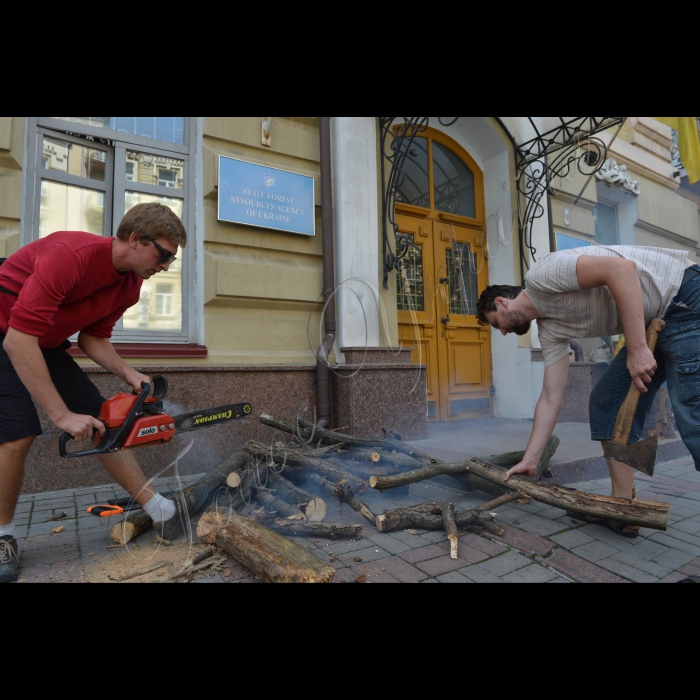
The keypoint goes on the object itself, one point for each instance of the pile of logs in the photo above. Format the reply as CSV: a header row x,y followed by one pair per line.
x,y
258,499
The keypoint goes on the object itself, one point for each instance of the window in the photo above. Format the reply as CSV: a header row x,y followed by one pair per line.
x,y
606,230
434,177
89,171
164,299
565,242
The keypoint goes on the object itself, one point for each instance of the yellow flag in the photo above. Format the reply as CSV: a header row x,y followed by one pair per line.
x,y
688,143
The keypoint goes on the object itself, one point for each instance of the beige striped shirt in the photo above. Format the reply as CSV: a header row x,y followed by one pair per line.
x,y
571,313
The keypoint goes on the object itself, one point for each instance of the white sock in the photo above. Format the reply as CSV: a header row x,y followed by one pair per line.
x,y
8,530
160,509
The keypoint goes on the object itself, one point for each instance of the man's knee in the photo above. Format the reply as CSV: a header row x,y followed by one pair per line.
x,y
18,448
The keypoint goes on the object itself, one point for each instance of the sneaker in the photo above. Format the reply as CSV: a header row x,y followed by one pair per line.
x,y
171,529
9,561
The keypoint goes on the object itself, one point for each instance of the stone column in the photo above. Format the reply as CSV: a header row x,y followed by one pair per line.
x,y
374,388
356,204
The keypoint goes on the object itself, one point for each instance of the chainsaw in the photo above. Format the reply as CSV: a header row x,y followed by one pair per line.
x,y
135,420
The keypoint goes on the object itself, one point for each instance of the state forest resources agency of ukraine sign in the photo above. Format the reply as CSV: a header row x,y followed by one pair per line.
x,y
256,195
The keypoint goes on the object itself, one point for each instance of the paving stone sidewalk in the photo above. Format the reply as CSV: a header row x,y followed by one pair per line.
x,y
540,544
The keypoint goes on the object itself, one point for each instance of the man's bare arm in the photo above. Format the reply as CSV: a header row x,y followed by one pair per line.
x,y
102,352
548,409
28,361
622,279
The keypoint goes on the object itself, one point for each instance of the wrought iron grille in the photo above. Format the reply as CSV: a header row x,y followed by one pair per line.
x,y
572,143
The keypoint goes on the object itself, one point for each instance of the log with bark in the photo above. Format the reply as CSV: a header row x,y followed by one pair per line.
x,y
269,555
192,499
330,531
315,509
279,507
654,516
299,459
429,516
448,517
440,468
396,460
342,491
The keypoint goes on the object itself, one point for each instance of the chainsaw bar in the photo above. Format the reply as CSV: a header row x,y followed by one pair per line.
x,y
210,417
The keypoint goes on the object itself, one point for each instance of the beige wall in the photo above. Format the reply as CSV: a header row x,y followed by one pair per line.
x,y
261,286
11,156
666,216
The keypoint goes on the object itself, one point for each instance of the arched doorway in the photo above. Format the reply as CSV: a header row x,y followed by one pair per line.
x,y
440,208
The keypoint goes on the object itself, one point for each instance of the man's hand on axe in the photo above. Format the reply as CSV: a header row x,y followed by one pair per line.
x,y
642,366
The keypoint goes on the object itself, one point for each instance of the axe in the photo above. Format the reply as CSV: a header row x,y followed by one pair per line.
x,y
642,455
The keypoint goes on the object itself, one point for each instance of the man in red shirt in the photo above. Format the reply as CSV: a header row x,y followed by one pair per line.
x,y
67,283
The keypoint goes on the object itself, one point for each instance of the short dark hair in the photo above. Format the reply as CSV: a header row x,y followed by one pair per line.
x,y
152,221
487,302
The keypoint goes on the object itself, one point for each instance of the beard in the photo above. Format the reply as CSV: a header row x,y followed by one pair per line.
x,y
518,322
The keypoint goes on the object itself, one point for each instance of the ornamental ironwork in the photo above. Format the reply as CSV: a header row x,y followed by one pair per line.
x,y
565,146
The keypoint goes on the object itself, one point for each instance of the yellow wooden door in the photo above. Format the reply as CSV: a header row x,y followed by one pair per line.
x,y
464,347
441,209
418,322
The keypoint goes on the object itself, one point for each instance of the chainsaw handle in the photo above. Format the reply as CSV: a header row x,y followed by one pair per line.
x,y
113,439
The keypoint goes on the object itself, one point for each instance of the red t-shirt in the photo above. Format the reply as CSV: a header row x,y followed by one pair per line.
x,y
65,283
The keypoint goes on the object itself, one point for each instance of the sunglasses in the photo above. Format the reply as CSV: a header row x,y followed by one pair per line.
x,y
167,258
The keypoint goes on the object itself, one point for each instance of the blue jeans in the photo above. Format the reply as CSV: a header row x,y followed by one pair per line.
x,y
678,357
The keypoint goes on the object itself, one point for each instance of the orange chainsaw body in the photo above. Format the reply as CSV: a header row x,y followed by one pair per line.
x,y
149,429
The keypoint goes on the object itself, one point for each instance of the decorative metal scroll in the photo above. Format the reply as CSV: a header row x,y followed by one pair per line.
x,y
397,145
551,156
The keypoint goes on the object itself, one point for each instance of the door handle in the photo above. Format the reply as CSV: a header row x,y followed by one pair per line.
x,y
444,280
446,320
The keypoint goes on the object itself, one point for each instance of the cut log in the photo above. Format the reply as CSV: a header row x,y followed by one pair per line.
x,y
448,517
440,468
287,491
428,516
343,492
654,516
295,458
505,500
397,460
316,511
279,507
194,499
269,555
331,531
233,481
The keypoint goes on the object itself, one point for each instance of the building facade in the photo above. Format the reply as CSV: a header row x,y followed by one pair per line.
x,y
417,235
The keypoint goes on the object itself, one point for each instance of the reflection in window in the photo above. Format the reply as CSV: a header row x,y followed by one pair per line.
x,y
165,299
455,191
410,279
463,280
156,170
131,170
72,159
414,188
162,128
68,208
160,307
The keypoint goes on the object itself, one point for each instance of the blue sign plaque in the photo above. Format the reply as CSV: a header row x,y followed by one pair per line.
x,y
257,195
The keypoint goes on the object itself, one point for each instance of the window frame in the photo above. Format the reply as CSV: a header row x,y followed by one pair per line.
x,y
115,187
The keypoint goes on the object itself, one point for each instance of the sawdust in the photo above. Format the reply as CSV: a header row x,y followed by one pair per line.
x,y
109,566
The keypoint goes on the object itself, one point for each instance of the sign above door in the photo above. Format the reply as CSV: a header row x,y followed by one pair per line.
x,y
264,197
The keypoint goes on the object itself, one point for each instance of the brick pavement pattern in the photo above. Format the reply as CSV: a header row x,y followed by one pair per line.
x,y
539,545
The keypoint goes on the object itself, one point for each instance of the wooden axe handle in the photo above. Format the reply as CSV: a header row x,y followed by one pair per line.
x,y
625,419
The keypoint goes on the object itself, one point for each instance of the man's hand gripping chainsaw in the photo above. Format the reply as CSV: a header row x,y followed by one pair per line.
x,y
133,421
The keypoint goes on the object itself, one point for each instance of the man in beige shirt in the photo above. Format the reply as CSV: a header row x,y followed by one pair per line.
x,y
603,291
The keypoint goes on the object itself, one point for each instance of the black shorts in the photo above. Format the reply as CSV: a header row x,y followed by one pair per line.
x,y
18,415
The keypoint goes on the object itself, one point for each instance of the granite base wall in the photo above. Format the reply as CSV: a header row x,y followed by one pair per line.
x,y
368,396
284,392
380,389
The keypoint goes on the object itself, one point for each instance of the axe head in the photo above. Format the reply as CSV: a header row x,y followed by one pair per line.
x,y
640,456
